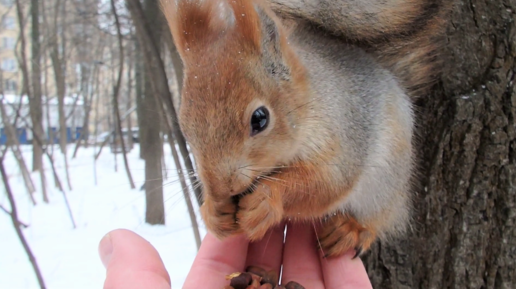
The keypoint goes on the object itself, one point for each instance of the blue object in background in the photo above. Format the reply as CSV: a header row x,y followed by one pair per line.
x,y
3,137
52,131
21,133
69,135
78,132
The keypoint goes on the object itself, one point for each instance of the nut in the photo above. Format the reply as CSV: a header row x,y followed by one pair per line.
x,y
258,278
240,281
268,277
293,285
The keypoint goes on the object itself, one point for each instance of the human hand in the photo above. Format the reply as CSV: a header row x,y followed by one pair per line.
x,y
133,263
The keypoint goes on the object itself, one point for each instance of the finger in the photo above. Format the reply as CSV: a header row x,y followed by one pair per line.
x,y
215,260
131,262
345,272
300,259
268,252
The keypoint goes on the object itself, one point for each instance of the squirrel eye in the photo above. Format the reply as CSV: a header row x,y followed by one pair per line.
x,y
259,120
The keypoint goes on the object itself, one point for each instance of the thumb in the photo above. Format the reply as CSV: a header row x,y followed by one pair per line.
x,y
131,262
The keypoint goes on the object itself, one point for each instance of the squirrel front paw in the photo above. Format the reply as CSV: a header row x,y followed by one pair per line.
x,y
259,211
342,232
220,217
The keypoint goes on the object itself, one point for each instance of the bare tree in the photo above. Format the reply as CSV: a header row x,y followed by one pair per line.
x,y
159,81
35,101
36,106
116,92
138,81
16,224
14,145
57,56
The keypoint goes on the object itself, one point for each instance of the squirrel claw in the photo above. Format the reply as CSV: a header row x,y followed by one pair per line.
x,y
341,232
258,212
219,217
358,252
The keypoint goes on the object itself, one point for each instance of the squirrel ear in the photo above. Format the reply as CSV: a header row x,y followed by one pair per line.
x,y
258,26
197,23
271,42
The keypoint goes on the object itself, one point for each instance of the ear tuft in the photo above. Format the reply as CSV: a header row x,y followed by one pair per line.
x,y
273,58
197,23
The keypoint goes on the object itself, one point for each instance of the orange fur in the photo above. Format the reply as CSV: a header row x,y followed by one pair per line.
x,y
219,217
304,191
193,24
234,54
222,44
342,232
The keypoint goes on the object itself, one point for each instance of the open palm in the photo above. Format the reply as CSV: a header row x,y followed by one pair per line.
x,y
132,262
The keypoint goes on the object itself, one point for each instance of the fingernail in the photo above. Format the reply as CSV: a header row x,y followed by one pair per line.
x,y
105,249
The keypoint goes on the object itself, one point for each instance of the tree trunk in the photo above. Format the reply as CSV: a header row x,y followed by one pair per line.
x,y
129,104
116,92
153,148
159,83
465,209
59,65
152,145
138,79
35,101
59,76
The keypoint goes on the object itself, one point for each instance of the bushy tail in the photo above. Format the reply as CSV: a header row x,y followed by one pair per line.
x,y
406,35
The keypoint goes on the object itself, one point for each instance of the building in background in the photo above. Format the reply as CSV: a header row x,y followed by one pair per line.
x,y
9,33
11,86
81,39
74,111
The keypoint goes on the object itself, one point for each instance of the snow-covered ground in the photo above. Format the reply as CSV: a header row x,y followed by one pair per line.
x,y
68,257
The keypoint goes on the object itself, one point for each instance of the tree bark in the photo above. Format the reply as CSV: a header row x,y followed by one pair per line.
x,y
465,208
35,94
153,148
138,76
59,64
59,76
35,101
129,104
151,143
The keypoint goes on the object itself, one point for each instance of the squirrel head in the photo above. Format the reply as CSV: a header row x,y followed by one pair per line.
x,y
244,92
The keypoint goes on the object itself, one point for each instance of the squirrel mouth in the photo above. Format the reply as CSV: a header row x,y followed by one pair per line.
x,y
256,181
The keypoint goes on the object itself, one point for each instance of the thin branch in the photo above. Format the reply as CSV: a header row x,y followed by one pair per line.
x,y
116,92
54,170
22,224
16,225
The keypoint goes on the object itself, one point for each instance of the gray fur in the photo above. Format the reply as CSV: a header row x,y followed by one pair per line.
x,y
355,19
359,101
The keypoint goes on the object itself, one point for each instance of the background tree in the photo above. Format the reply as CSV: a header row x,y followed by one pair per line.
x,y
465,210
36,103
148,17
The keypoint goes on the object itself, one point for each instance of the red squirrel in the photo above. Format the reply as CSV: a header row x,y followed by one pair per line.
x,y
287,118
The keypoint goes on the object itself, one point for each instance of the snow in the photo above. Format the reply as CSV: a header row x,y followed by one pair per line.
x,y
68,257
